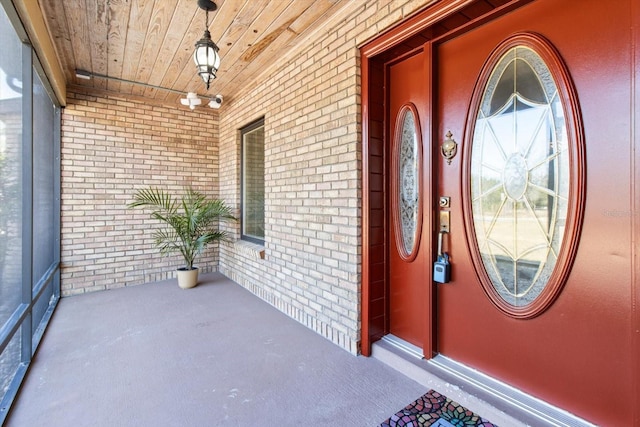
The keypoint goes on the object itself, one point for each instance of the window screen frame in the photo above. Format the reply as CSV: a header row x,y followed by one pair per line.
x,y
37,271
244,131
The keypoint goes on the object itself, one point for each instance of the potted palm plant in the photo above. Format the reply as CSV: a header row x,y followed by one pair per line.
x,y
192,222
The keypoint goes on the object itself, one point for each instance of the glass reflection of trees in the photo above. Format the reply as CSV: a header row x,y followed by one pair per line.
x,y
519,176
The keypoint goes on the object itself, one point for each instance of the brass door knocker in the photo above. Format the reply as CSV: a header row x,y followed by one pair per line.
x,y
449,147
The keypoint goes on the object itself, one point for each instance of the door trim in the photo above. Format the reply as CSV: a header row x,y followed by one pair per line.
x,y
504,395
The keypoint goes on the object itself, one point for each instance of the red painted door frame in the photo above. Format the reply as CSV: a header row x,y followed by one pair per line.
x,y
635,208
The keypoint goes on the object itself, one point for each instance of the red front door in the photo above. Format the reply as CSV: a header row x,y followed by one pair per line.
x,y
408,152
575,350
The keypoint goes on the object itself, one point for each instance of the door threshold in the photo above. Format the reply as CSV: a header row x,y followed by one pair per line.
x,y
495,401
405,346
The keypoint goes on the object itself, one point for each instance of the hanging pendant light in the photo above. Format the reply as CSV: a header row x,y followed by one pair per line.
x,y
206,55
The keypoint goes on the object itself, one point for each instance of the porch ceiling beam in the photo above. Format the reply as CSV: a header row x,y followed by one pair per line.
x,y
33,21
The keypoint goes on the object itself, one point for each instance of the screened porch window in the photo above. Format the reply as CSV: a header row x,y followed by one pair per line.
x,y
253,182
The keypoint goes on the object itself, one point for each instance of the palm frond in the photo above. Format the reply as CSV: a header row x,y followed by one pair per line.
x,y
192,221
153,198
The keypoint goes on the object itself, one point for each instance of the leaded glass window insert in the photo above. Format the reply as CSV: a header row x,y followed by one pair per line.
x,y
406,205
520,176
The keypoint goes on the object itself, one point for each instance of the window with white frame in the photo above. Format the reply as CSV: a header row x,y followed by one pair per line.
x,y
252,185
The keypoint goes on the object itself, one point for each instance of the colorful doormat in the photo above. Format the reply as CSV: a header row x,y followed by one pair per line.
x,y
434,409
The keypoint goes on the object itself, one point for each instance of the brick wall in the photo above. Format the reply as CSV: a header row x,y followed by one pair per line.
x,y
111,146
311,103
310,266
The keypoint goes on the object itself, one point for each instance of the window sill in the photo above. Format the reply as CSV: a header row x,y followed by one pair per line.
x,y
252,250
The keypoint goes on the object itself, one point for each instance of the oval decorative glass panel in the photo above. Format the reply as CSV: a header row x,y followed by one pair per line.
x,y
524,177
405,192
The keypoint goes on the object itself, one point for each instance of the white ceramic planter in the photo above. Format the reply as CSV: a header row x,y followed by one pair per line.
x,y
187,278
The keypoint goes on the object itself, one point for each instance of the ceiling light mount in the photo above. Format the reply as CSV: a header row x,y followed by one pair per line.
x,y
206,56
192,100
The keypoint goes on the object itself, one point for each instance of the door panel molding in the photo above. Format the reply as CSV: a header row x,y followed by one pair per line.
x,y
401,181
577,179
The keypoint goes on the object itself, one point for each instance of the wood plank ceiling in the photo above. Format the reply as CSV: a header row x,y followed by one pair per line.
x,y
152,41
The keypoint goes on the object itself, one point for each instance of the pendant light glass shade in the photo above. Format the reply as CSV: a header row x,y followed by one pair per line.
x,y
207,58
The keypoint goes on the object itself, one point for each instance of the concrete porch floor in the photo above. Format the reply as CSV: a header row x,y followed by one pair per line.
x,y
216,355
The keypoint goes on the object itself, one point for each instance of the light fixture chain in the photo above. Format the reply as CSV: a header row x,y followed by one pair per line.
x,y
206,55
